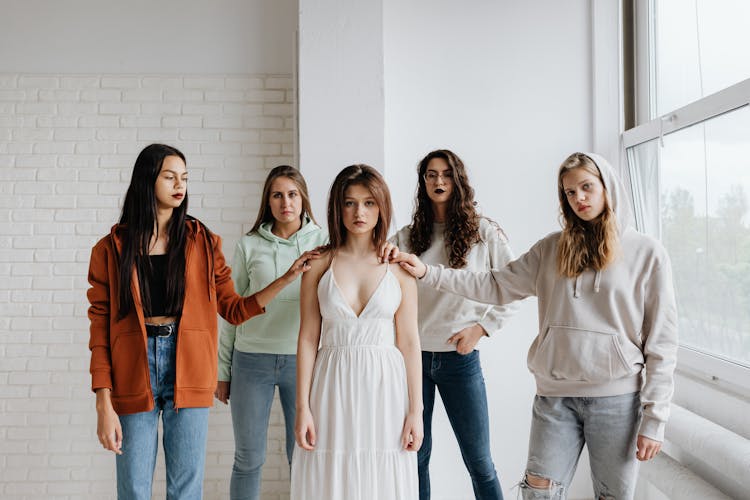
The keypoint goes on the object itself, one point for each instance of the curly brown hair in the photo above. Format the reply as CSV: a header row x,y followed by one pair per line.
x,y
462,221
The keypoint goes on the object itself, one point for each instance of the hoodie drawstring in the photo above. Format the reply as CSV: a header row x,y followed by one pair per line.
x,y
577,284
209,267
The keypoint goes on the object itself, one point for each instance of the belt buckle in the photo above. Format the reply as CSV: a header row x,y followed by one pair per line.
x,y
156,330
169,328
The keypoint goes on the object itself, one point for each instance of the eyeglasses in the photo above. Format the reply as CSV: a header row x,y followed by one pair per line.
x,y
432,176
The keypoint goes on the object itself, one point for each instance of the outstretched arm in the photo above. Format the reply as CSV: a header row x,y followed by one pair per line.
x,y
515,281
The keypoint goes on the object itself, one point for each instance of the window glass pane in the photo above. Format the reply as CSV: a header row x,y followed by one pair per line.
x,y
704,202
643,171
700,48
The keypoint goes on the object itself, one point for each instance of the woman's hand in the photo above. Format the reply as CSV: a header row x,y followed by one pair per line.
x,y
387,252
647,448
411,264
467,339
222,391
304,429
108,428
301,265
413,433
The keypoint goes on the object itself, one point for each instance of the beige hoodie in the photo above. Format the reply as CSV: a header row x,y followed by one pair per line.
x,y
601,334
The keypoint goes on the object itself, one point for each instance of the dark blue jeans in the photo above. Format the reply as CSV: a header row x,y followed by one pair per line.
x,y
461,384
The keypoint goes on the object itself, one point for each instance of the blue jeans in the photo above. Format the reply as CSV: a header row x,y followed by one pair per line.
x,y
254,380
184,437
559,428
461,384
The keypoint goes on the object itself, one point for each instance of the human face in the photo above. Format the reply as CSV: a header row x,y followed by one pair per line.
x,y
171,183
285,201
361,213
438,179
585,193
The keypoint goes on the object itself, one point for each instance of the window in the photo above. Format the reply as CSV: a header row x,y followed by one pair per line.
x,y
688,161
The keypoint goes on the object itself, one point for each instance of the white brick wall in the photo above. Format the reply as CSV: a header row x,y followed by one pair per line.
x,y
67,147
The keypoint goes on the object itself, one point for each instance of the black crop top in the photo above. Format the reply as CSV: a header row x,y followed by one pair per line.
x,y
158,285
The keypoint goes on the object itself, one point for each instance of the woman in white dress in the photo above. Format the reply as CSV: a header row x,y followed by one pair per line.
x,y
359,403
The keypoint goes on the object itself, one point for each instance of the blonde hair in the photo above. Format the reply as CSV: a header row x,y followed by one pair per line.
x,y
593,244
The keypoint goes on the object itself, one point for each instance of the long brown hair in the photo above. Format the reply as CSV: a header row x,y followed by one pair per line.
x,y
462,220
583,244
264,213
368,177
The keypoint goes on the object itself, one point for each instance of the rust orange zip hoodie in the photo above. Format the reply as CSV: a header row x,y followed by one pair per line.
x,y
119,360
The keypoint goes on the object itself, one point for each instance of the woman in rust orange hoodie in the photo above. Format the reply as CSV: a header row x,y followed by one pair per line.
x,y
154,338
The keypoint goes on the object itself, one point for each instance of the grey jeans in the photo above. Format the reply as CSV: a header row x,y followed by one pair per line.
x,y
560,427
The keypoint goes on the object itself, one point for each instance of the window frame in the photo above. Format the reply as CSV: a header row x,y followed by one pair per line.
x,y
713,369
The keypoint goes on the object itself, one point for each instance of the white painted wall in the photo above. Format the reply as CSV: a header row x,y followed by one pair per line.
x,y
168,36
341,103
507,86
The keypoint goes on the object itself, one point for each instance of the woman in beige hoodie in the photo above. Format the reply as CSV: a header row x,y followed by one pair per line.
x,y
605,353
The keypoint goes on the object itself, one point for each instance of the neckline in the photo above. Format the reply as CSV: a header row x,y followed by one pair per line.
x,y
369,300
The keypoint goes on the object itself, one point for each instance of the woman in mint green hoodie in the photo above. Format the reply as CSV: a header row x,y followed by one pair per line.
x,y
260,354
606,350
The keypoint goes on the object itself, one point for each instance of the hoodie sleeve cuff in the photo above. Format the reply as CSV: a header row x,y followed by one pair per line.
x,y
101,379
431,276
652,429
252,308
225,373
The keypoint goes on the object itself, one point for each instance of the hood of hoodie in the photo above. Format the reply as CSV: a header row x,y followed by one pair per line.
x,y
617,196
283,249
308,227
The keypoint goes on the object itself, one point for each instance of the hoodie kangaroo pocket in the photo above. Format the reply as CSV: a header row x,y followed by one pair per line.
x,y
569,353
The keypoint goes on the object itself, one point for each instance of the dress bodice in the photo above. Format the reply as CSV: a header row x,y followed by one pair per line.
x,y
374,325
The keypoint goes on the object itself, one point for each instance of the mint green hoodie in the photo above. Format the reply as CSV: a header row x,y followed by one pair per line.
x,y
260,258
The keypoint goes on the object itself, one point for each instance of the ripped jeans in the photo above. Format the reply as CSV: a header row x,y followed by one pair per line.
x,y
560,427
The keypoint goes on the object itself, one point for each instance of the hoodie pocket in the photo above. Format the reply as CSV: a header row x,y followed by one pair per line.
x,y
196,360
130,371
568,353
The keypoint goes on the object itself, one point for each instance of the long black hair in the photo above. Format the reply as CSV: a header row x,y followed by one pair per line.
x,y
139,223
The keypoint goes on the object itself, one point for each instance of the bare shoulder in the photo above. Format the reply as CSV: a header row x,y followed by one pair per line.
x,y
318,267
403,277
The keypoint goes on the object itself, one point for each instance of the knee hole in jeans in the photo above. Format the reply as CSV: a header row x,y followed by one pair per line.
x,y
537,482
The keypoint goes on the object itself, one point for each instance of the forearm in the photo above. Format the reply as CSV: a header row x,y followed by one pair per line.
x,y
306,354
266,295
103,400
479,286
413,361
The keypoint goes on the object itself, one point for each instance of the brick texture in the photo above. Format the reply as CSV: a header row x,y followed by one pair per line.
x,y
67,147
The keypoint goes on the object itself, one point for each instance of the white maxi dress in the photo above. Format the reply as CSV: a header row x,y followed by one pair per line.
x,y
359,400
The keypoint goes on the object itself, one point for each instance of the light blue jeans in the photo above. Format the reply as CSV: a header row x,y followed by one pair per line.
x,y
560,427
254,380
184,438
